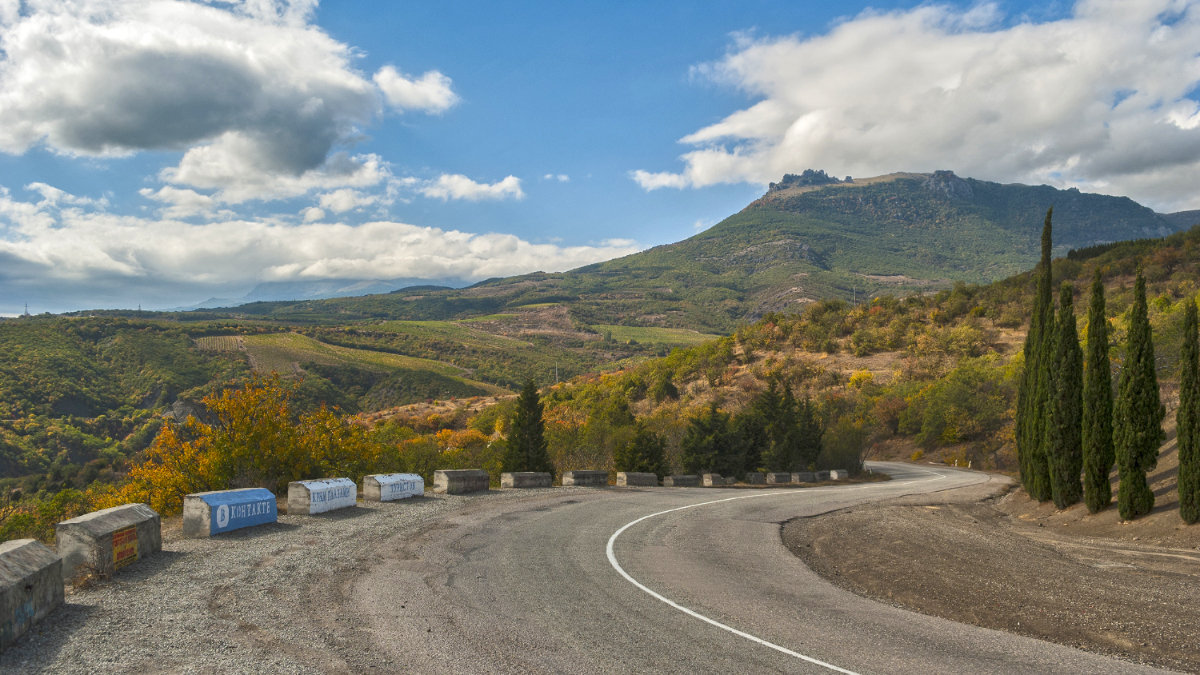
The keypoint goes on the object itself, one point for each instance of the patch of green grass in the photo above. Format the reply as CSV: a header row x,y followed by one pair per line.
x,y
655,336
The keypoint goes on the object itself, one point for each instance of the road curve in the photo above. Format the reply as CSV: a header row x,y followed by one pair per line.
x,y
662,580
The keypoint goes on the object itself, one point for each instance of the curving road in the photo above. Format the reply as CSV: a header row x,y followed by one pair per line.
x,y
662,580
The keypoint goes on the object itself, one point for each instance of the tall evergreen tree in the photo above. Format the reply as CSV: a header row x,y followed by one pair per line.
x,y
646,452
1188,419
708,444
810,435
1064,444
1033,394
527,450
1138,422
1098,454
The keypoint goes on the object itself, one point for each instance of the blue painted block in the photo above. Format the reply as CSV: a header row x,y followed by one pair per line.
x,y
209,513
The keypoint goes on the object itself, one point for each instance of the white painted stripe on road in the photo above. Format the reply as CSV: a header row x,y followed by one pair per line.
x,y
612,560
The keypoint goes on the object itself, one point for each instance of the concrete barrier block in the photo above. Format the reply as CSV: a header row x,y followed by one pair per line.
x,y
31,586
804,477
838,474
681,481
209,513
526,479
635,478
310,497
822,476
586,478
730,480
755,478
460,481
386,487
776,478
712,480
103,542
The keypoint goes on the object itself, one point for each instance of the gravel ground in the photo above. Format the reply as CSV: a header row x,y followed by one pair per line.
x,y
260,600
957,555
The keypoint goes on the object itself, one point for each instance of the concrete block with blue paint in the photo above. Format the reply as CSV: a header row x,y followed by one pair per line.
x,y
31,586
209,513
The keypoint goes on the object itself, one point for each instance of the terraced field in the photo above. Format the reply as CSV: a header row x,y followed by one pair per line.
x,y
655,336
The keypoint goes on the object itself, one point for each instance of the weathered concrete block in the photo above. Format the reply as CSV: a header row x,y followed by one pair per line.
x,y
681,481
838,474
804,477
712,480
730,480
526,479
822,475
31,586
103,542
310,497
586,478
755,478
636,478
209,513
775,478
386,487
460,481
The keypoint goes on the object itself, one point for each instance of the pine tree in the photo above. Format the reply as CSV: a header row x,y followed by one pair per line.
x,y
1064,445
645,452
527,450
809,435
1188,419
708,443
1138,421
1098,454
1033,394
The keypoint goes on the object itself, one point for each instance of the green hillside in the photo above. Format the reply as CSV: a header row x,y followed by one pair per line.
x,y
811,237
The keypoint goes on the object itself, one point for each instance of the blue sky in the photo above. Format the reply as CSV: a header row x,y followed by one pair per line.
x,y
160,153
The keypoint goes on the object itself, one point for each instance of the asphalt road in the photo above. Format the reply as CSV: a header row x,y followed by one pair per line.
x,y
660,580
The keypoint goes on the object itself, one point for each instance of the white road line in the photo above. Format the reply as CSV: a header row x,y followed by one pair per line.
x,y
612,560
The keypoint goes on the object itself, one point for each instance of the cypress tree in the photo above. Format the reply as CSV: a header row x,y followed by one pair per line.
x,y
1033,394
646,451
1188,419
1064,444
1138,423
527,450
1098,454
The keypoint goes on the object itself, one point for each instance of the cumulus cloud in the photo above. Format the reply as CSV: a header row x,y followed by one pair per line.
x,y
340,201
180,203
1104,99
458,186
261,102
431,92
76,251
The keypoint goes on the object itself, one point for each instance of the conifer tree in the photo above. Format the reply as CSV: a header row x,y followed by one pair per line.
x,y
1064,445
646,452
708,443
1137,426
1033,393
1098,454
527,450
1188,419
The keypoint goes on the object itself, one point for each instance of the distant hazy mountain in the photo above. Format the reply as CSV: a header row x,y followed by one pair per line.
x,y
811,237
277,291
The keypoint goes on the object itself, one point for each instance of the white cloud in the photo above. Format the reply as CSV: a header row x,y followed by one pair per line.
x,y
340,201
75,251
560,177
458,186
52,196
181,203
432,92
1103,99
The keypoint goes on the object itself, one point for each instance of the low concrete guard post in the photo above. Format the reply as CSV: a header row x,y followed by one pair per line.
x,y
585,478
460,481
822,475
209,513
104,541
31,586
712,480
636,478
386,487
310,497
682,481
755,478
838,474
804,477
525,479
779,478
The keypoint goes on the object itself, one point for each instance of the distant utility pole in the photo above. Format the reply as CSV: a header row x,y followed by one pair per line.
x,y
556,372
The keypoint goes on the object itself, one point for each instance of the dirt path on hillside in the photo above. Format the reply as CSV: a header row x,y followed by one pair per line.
x,y
969,555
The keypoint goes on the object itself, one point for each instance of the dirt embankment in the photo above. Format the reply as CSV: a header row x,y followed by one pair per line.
x,y
996,559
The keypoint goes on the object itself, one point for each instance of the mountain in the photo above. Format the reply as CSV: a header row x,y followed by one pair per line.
x,y
810,237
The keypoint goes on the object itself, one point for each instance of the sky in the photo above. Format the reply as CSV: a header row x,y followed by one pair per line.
x,y
159,153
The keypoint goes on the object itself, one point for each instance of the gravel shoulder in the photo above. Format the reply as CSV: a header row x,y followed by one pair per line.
x,y
260,600
976,555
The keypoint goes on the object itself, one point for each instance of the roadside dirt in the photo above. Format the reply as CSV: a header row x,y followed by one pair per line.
x,y
990,557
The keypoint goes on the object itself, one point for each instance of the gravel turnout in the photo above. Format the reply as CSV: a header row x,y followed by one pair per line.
x,y
259,600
